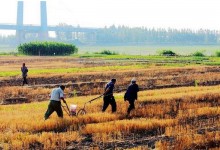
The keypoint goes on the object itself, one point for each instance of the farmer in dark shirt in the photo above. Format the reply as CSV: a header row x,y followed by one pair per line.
x,y
24,71
108,96
131,95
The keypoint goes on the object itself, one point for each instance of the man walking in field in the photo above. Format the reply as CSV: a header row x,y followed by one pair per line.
x,y
108,96
24,71
131,95
56,96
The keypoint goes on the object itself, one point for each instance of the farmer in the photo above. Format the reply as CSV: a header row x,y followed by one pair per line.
x,y
56,96
131,95
24,71
108,96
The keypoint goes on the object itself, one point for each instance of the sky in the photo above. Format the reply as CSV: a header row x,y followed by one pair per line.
x,y
178,14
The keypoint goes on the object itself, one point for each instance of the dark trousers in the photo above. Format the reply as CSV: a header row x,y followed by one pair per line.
x,y
54,106
109,100
25,80
131,106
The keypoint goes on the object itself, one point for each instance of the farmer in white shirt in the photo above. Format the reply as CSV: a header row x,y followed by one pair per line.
x,y
56,96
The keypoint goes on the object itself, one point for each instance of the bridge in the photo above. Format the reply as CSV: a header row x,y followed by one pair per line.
x,y
43,29
35,28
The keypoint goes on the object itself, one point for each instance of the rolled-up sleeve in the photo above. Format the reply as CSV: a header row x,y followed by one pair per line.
x,y
61,93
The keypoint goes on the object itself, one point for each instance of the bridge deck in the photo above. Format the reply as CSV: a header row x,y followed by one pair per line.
x,y
35,28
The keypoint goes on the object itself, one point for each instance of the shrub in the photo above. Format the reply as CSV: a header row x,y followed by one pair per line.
x,y
217,53
167,53
107,52
199,54
47,48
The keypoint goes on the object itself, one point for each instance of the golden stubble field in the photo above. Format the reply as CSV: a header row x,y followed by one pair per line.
x,y
180,118
167,115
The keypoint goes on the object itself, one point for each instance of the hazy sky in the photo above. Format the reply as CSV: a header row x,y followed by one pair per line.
x,y
194,14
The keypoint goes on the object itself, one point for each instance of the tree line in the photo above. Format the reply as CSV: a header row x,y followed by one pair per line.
x,y
133,36
143,35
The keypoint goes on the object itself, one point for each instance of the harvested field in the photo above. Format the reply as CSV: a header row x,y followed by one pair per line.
x,y
178,107
93,83
180,118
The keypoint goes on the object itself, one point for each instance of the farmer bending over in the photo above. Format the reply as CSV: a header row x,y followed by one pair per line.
x,y
131,95
108,96
56,96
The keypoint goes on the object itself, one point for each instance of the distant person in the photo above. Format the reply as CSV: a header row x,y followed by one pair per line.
x,y
57,94
131,95
108,96
24,71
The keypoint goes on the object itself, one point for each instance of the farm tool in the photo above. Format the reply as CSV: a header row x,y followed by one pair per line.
x,y
82,111
66,109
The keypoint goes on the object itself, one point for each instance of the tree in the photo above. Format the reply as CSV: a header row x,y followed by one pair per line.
x,y
47,48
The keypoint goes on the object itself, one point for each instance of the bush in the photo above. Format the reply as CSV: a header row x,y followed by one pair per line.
x,y
198,54
217,53
167,53
107,52
47,48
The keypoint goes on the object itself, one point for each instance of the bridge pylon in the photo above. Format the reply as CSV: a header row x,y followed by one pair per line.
x,y
20,29
20,35
44,31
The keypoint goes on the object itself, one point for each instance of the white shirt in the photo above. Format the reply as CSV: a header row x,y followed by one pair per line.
x,y
56,94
